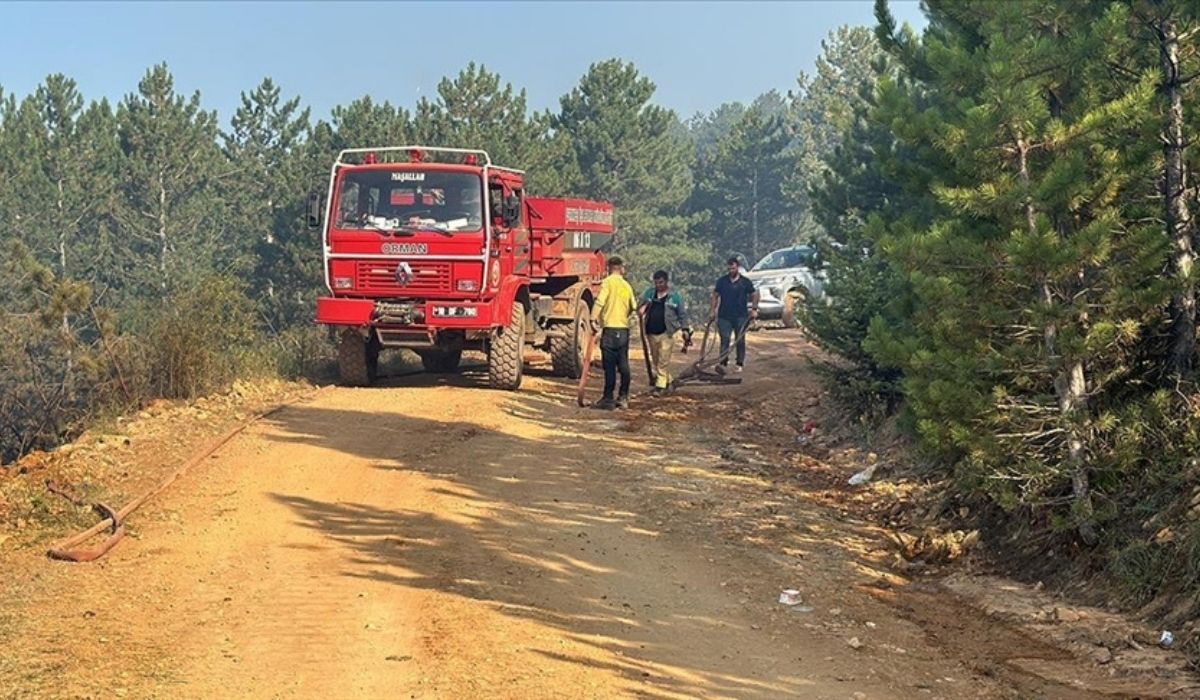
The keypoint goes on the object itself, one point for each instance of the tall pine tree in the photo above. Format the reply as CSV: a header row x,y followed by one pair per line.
x,y
628,151
173,219
265,148
743,187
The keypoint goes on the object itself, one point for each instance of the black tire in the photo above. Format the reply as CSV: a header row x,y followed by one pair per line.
x,y
790,301
566,354
441,361
505,361
358,359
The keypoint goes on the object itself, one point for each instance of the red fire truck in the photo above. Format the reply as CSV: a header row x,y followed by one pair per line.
x,y
439,250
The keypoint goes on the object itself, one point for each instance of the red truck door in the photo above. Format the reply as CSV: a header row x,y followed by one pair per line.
x,y
516,249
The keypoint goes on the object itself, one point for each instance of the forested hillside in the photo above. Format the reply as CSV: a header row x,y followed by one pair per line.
x,y
1016,198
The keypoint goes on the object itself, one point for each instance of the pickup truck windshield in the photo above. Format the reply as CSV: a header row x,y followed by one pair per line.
x,y
784,259
407,201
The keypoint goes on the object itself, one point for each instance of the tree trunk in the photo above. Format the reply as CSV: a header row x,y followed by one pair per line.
x,y
754,218
162,230
1176,212
69,370
1070,383
62,252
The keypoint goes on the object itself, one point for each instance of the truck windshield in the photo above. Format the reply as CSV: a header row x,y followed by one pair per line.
x,y
407,201
784,259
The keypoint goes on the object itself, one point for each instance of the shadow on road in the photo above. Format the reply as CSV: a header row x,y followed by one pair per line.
x,y
564,516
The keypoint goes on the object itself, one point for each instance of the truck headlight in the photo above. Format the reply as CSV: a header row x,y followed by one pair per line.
x,y
343,283
467,286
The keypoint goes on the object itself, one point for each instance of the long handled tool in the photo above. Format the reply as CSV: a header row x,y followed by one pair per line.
x,y
646,348
588,352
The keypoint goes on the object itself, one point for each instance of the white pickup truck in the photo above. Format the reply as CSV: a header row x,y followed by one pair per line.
x,y
784,278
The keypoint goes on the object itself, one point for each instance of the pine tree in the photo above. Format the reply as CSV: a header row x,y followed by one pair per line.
x,y
475,111
363,123
821,109
860,189
626,151
265,148
707,130
1158,35
50,373
62,188
743,188
172,219
71,183
621,148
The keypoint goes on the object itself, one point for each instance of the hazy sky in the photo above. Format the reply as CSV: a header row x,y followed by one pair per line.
x,y
699,54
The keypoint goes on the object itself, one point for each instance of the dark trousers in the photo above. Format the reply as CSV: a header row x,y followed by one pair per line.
x,y
728,327
614,351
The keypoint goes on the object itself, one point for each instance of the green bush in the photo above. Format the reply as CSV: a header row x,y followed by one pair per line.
x,y
201,338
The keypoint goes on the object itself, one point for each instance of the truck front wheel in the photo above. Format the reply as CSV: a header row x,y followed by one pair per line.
x,y
358,359
505,351
566,352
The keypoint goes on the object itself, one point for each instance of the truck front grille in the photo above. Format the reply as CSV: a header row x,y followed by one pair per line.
x,y
380,277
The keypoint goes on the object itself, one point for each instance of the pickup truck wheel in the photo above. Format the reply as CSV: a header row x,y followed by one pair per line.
x,y
791,301
566,354
441,361
358,359
505,351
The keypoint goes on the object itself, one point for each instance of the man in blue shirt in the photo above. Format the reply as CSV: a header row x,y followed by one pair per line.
x,y
734,304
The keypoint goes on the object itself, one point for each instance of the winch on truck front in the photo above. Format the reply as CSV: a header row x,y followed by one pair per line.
x,y
439,251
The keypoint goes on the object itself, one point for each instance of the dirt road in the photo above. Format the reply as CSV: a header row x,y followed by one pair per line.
x,y
432,539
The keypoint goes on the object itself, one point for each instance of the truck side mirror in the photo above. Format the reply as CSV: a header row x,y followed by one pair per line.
x,y
314,209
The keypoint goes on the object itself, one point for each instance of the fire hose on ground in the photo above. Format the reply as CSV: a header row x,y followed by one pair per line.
x,y
701,369
114,520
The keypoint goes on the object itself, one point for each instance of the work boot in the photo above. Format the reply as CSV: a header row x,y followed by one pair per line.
x,y
657,391
606,404
622,402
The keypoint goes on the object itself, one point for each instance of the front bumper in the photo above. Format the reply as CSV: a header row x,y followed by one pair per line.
x,y
770,306
770,309
414,314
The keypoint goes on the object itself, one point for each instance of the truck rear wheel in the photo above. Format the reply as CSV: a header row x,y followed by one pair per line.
x,y
358,359
441,361
566,353
505,352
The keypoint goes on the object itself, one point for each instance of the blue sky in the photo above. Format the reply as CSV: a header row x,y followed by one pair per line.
x,y
699,54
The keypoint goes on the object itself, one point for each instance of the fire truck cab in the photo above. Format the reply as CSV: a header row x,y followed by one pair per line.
x,y
438,250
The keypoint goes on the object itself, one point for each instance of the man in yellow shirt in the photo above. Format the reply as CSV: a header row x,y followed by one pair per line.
x,y
611,317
